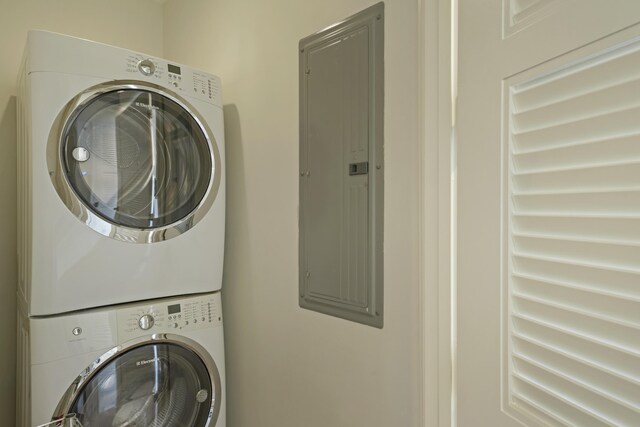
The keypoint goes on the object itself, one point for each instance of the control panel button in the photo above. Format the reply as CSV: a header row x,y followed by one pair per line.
x,y
146,67
146,322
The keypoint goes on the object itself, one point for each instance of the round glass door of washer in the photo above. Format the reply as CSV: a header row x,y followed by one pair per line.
x,y
137,160
154,385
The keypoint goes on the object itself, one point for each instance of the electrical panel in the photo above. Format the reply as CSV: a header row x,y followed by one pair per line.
x,y
342,168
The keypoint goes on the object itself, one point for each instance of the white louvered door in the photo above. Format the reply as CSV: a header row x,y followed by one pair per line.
x,y
548,213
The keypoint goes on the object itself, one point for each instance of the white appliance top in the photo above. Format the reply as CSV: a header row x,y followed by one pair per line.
x,y
52,52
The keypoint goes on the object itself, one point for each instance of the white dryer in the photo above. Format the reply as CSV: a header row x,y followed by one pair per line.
x,y
121,176
155,364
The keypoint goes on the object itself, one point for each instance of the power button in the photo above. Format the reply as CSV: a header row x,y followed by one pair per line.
x,y
146,67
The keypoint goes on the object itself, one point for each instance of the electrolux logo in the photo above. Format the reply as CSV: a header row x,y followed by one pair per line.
x,y
144,362
147,106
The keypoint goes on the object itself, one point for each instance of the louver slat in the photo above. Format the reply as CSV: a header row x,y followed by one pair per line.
x,y
615,307
607,151
599,229
581,107
593,380
573,247
524,342
526,405
611,124
551,397
600,203
600,408
583,179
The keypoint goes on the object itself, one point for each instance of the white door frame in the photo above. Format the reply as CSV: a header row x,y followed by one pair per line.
x,y
437,23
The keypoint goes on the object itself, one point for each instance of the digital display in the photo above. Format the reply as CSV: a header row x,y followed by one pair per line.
x,y
173,309
173,69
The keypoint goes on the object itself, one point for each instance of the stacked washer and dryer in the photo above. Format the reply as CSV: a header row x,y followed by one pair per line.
x,y
121,238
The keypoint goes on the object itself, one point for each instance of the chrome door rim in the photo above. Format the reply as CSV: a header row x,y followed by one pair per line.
x,y
85,214
90,371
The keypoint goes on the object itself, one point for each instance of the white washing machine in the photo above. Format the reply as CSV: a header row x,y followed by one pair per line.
x,y
121,176
158,364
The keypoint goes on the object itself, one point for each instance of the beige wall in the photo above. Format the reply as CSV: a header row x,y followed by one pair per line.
x,y
135,24
287,366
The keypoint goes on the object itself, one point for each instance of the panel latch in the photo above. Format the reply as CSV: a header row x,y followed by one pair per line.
x,y
361,168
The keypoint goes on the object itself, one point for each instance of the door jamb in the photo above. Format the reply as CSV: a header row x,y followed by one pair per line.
x,y
437,84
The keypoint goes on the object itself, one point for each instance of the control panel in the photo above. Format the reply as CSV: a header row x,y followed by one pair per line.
x,y
172,315
180,79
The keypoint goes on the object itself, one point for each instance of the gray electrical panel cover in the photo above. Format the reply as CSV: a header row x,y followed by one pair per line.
x,y
342,169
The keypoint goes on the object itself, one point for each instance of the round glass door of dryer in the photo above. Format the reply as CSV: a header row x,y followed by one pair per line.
x,y
137,159
134,162
154,385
